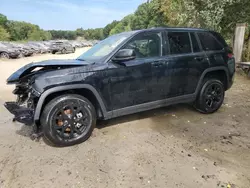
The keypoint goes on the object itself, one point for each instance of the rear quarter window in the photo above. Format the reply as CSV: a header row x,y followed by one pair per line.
x,y
220,38
209,42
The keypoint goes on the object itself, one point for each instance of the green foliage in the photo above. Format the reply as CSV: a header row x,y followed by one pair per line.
x,y
93,34
237,12
142,16
108,28
20,30
123,25
4,35
39,35
221,16
60,34
3,20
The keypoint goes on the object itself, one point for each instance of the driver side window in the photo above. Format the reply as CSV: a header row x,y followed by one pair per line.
x,y
145,45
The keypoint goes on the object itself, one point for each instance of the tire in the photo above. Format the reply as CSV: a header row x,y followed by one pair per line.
x,y
53,52
21,55
4,55
68,120
211,96
74,49
63,51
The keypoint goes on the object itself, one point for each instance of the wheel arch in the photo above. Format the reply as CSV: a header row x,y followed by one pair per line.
x,y
85,90
1,52
220,73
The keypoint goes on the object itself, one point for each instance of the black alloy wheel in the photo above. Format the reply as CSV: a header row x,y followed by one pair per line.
x,y
211,96
68,120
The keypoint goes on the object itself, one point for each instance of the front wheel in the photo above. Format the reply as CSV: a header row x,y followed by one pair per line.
x,y
4,55
210,97
68,120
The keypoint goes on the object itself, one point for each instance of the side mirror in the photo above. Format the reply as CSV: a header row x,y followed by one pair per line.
x,y
124,55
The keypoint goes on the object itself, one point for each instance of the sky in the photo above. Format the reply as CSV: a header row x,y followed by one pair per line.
x,y
68,14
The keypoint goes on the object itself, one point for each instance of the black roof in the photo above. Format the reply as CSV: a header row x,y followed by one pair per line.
x,y
166,28
188,29
172,29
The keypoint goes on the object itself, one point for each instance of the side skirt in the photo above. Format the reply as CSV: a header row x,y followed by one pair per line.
x,y
149,106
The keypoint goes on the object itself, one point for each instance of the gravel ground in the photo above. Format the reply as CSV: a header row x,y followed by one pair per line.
x,y
168,147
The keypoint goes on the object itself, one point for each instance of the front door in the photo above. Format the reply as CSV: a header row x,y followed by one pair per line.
x,y
140,80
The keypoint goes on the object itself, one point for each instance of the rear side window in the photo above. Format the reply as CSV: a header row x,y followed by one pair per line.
x,y
209,43
196,47
179,42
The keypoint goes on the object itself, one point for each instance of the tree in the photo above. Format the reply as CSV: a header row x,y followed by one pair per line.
x,y
123,25
237,12
34,35
212,14
20,30
3,20
46,35
4,35
142,16
79,32
109,27
148,15
157,19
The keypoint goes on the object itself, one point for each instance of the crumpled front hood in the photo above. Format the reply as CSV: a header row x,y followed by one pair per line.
x,y
57,64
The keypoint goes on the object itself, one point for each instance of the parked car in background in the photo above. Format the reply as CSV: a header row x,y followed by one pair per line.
x,y
6,51
24,49
75,44
62,46
34,48
94,42
47,43
42,48
15,49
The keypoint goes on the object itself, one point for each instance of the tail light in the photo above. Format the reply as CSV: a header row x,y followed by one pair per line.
x,y
230,55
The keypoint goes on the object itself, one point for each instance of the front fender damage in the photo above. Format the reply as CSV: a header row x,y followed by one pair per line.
x,y
21,114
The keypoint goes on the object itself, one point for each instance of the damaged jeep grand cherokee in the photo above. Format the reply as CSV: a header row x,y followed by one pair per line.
x,y
126,73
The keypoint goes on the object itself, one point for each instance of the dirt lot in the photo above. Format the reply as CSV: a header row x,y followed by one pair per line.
x,y
169,147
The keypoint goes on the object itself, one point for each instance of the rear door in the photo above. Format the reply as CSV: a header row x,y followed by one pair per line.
x,y
186,62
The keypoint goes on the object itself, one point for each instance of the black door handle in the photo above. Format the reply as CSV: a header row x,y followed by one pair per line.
x,y
199,58
157,63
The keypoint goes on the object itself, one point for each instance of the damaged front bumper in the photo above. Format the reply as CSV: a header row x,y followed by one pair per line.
x,y
21,114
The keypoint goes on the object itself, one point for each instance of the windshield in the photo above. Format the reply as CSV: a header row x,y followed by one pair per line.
x,y
8,44
103,48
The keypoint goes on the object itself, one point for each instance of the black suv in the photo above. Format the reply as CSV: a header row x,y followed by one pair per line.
x,y
126,73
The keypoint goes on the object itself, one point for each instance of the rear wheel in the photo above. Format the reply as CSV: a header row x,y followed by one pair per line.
x,y
21,55
68,120
210,97
4,55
